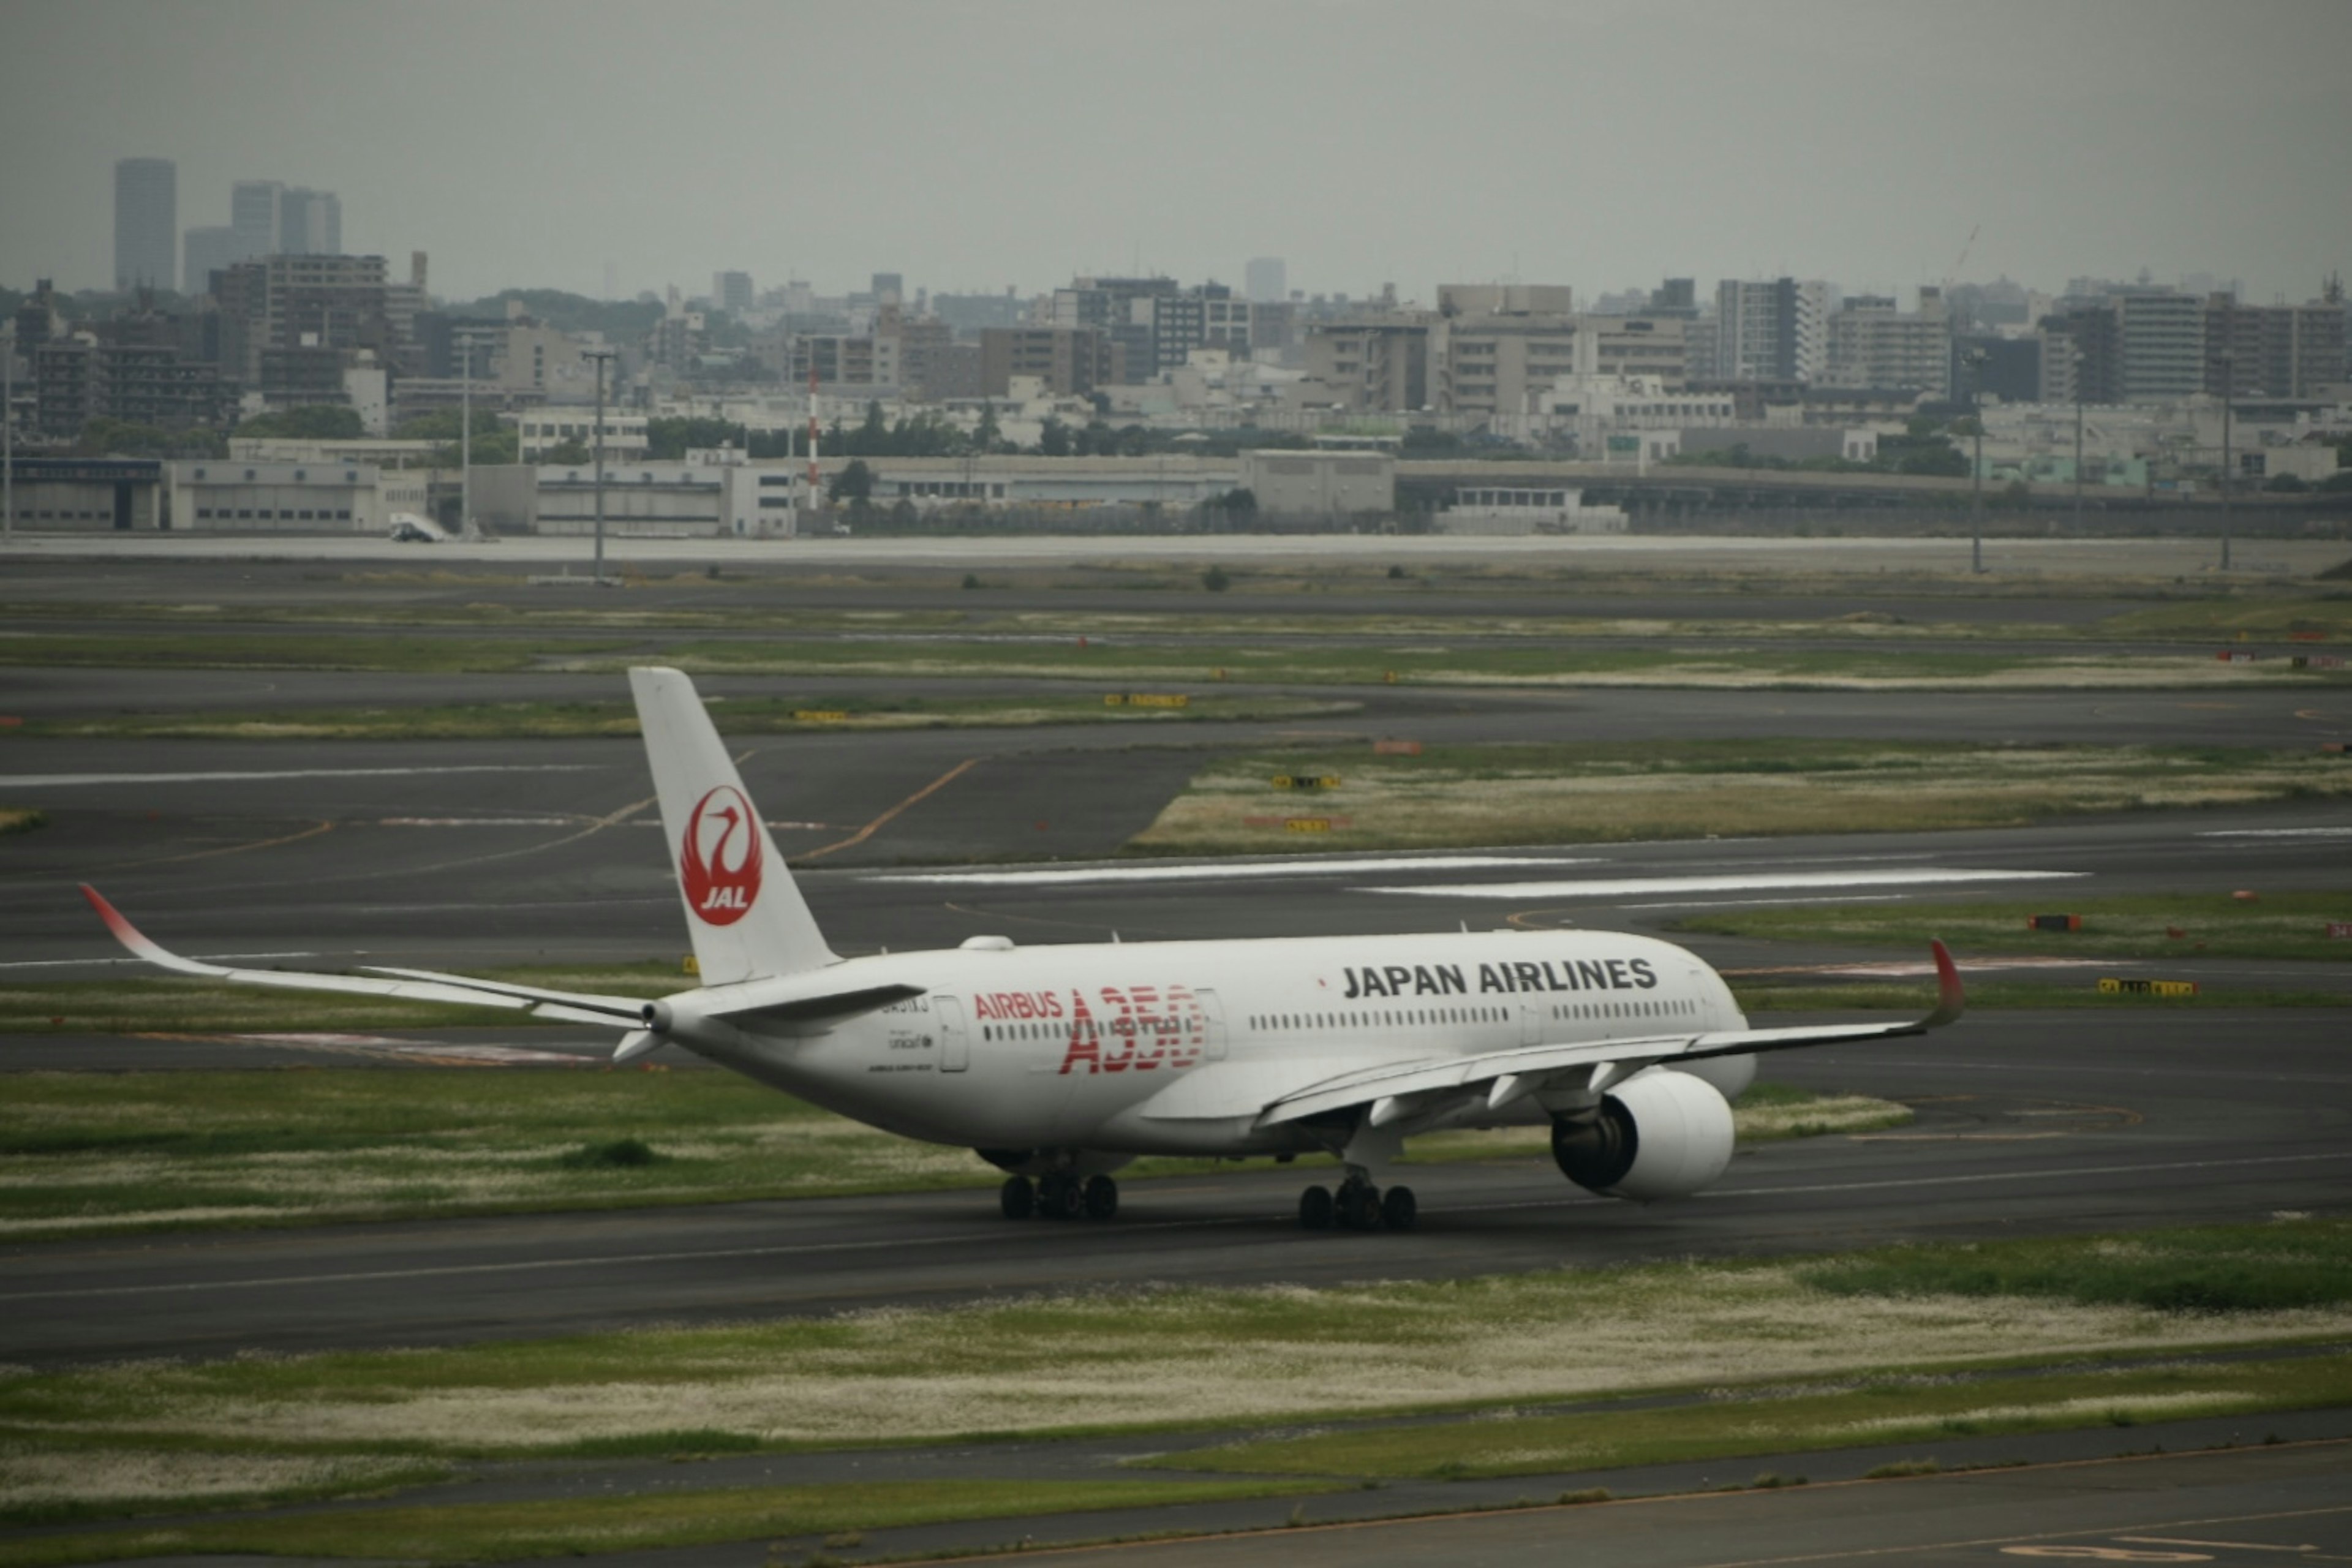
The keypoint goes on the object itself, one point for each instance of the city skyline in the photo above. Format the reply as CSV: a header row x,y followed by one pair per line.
x,y
1880,147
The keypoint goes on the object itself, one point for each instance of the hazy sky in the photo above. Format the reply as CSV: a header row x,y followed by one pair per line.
x,y
1601,144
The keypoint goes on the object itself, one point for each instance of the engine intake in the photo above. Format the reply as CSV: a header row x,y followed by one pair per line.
x,y
1663,1134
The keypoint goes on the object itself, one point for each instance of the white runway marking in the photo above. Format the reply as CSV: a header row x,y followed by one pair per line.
x,y
801,1249
480,821
52,781
2277,833
1310,867
1631,887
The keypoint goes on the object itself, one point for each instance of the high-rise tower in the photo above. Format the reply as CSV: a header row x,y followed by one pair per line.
x,y
146,223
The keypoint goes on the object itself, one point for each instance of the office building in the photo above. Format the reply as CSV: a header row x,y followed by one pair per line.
x,y
253,213
1265,281
309,223
1070,361
1498,348
146,224
1376,363
732,291
207,251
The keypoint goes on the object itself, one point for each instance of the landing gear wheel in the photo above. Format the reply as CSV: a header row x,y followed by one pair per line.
x,y
1059,1196
1360,1206
1101,1197
1397,1209
1314,1208
1018,1198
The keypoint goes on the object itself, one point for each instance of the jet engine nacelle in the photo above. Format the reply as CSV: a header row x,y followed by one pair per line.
x,y
1659,1134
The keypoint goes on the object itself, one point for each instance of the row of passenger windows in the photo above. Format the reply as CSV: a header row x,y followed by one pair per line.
x,y
1387,1017
1646,1007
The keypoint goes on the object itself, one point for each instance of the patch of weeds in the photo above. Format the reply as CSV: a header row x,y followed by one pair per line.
x,y
614,1153
2278,1267
1901,1468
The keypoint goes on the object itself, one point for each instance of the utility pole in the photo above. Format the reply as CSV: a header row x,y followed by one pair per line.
x,y
1977,357
600,356
2229,363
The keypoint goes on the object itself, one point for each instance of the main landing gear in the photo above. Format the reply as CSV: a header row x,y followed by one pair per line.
x,y
1358,1206
1059,1194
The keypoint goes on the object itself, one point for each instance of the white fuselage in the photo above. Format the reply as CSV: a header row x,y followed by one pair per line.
x,y
1173,1047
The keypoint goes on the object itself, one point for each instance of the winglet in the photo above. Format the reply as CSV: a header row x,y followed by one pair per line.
x,y
1951,999
139,942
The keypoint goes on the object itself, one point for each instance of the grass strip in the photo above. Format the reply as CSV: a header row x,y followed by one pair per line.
x,y
586,1526
1173,1357
194,650
100,1153
738,716
1733,1422
2211,923
20,819
2211,1268
1451,656
1461,796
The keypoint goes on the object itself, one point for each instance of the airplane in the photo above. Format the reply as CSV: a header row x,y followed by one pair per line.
x,y
1061,1064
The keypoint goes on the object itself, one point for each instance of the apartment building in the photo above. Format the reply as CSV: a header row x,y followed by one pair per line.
x,y
1873,344
1776,329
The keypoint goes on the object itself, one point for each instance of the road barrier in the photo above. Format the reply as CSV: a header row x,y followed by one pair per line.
x,y
1305,781
2054,922
2112,986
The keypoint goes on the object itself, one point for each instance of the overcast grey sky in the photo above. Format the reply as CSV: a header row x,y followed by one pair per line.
x,y
1601,144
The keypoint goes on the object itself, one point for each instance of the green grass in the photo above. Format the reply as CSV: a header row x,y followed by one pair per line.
x,y
1447,654
1459,796
20,819
2326,618
204,650
1872,1412
2213,922
736,716
2221,1268
584,1526
1880,1340
92,1154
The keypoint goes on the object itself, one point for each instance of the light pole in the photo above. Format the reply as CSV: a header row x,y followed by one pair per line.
x,y
600,356
2229,364
8,436
466,440
1977,357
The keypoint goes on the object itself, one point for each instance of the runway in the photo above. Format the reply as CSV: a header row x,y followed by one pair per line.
x,y
2027,1123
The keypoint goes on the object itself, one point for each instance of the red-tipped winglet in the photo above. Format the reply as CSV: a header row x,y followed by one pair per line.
x,y
139,942
1951,1000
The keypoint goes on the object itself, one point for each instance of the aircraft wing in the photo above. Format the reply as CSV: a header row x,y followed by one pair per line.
x,y
408,984
1403,1090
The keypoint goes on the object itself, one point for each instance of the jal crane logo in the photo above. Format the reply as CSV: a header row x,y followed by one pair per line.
x,y
719,864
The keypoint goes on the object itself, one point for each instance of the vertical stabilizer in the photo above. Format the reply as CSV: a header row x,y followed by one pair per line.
x,y
746,916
